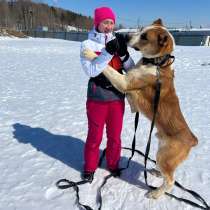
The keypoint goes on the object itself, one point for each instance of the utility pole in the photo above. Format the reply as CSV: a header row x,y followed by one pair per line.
x,y
190,24
25,19
31,19
138,23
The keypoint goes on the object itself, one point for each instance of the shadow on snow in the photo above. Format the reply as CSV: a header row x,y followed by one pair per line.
x,y
69,150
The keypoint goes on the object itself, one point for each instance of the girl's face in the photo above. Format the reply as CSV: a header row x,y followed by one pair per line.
x,y
106,26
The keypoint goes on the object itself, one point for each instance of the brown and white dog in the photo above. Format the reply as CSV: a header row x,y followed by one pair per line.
x,y
175,137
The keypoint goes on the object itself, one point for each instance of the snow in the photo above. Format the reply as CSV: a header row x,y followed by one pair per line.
x,y
43,129
125,30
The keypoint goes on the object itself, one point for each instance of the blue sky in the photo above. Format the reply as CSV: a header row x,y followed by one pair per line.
x,y
174,13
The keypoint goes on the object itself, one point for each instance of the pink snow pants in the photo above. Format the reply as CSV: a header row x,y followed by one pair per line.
x,y
99,114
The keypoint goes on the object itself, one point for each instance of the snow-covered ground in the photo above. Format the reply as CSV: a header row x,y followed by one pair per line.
x,y
43,129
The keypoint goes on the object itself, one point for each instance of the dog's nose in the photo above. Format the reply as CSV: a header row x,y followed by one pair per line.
x,y
137,49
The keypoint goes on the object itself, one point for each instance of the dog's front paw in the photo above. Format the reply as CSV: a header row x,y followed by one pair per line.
x,y
154,194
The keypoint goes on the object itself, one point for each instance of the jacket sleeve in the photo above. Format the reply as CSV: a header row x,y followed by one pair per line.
x,y
95,67
128,64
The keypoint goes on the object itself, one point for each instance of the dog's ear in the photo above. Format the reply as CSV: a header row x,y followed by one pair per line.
x,y
162,39
158,22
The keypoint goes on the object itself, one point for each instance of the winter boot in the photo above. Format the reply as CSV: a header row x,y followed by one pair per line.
x,y
88,176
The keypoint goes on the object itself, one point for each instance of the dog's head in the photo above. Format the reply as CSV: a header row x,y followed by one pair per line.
x,y
153,41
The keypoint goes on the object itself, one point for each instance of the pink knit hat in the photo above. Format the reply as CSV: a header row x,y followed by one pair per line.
x,y
103,13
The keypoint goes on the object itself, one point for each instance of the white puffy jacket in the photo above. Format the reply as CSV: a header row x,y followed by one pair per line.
x,y
96,42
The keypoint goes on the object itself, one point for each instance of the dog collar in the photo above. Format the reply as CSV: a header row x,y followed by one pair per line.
x,y
158,61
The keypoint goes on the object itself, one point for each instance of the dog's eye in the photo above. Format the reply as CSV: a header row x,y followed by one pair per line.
x,y
144,36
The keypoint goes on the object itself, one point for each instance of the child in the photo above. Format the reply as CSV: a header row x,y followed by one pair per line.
x,y
105,105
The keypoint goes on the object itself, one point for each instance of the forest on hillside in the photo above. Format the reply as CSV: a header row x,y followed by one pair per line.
x,y
26,15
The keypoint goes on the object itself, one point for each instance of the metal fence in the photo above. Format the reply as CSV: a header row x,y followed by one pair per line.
x,y
191,38
185,38
73,36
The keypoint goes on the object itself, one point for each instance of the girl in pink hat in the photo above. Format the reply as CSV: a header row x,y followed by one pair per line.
x,y
105,105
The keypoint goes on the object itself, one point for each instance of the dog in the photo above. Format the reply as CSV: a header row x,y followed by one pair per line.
x,y
174,135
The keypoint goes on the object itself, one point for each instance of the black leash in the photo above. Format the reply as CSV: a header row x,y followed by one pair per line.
x,y
146,156
68,184
65,184
155,107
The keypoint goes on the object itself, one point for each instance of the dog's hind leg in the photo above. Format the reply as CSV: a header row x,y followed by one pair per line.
x,y
168,183
170,155
167,171
156,171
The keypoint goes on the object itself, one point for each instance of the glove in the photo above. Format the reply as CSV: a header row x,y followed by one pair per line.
x,y
122,43
112,46
117,45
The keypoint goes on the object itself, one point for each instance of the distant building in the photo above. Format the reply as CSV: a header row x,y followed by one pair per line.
x,y
69,28
192,37
42,28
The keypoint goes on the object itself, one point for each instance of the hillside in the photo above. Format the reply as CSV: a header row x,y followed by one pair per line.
x,y
30,15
